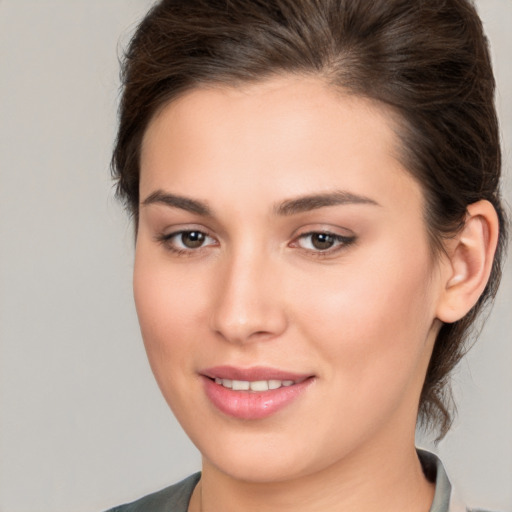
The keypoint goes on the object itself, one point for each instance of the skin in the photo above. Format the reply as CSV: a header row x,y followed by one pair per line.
x,y
360,317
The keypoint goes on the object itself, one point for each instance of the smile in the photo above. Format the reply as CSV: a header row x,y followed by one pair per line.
x,y
254,393
256,385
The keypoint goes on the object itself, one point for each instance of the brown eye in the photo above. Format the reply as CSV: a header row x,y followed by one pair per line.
x,y
187,241
322,241
192,239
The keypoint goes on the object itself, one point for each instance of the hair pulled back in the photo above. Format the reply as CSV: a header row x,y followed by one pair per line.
x,y
426,59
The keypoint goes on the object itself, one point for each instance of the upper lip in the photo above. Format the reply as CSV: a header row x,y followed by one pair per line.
x,y
252,374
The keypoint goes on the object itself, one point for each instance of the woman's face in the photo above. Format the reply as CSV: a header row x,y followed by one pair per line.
x,y
282,248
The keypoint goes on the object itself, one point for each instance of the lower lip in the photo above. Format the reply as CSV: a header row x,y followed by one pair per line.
x,y
250,405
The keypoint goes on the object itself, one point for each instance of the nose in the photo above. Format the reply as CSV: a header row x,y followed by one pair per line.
x,y
248,304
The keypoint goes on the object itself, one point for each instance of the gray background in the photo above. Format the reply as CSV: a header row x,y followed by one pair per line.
x,y
82,424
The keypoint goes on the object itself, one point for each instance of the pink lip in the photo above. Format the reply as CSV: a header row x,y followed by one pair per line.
x,y
254,373
250,405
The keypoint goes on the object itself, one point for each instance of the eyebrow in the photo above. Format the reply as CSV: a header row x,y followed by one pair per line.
x,y
316,201
286,208
175,201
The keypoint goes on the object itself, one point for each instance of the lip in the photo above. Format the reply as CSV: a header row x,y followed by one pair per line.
x,y
253,373
250,405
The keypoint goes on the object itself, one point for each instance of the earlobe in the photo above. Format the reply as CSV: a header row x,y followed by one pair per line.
x,y
470,260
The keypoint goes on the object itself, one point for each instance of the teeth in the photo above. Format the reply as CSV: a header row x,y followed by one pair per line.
x,y
259,385
256,385
241,385
227,383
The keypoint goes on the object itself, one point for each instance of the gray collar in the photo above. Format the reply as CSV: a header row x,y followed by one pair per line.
x,y
444,497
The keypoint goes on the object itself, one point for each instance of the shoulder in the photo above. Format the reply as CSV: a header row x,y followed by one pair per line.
x,y
446,498
477,510
171,499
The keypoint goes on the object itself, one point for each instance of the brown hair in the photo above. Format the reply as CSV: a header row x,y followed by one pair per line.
x,y
427,59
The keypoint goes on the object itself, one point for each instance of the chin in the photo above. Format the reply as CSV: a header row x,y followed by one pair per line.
x,y
265,458
247,469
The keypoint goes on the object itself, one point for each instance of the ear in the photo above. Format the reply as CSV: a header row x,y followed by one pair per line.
x,y
469,262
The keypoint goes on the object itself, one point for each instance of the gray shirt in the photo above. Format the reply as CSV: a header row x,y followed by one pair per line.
x,y
176,497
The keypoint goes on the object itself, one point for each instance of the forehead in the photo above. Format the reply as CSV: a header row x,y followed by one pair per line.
x,y
282,104
296,133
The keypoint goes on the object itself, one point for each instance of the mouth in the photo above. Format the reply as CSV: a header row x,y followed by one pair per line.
x,y
255,385
254,393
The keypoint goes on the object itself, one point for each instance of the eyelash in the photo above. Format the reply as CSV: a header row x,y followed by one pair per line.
x,y
341,242
167,241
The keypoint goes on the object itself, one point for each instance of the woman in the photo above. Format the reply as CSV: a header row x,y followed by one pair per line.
x,y
315,189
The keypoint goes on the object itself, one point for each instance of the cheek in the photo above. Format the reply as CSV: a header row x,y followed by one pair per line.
x,y
173,324
372,319
168,307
